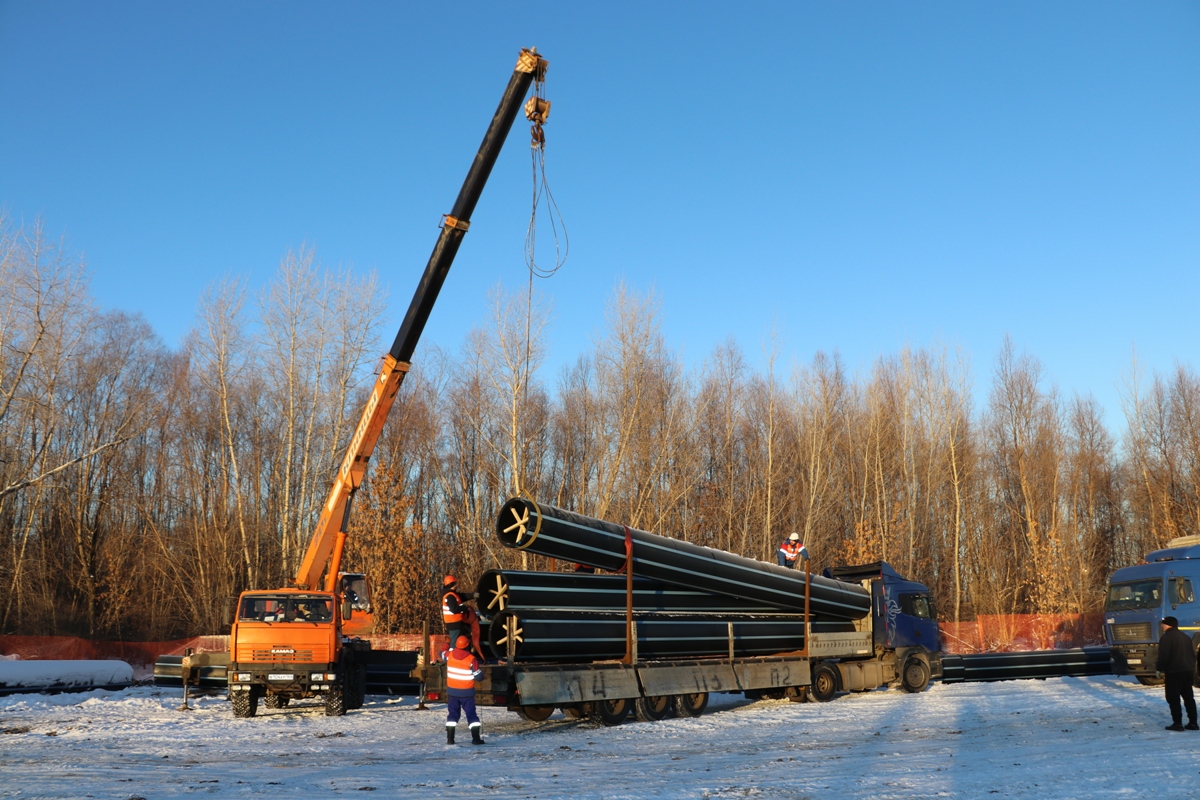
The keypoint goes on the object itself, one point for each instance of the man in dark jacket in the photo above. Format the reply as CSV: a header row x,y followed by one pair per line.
x,y
1177,663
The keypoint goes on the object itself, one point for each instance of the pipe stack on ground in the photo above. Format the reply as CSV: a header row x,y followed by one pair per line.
x,y
687,600
1077,662
556,533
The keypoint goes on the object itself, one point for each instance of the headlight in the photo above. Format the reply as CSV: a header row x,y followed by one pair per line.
x,y
317,677
242,676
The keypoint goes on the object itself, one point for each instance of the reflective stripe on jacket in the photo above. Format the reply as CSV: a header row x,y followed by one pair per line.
x,y
451,608
790,549
462,669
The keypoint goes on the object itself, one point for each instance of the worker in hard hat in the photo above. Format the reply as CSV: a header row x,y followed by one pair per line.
x,y
462,670
791,551
452,609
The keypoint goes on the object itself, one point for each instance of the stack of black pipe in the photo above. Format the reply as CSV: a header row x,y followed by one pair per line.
x,y
1077,662
687,600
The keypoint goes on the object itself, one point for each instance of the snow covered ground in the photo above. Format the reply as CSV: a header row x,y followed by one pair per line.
x,y
1067,737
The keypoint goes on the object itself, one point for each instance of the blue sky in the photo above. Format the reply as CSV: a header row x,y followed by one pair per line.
x,y
865,175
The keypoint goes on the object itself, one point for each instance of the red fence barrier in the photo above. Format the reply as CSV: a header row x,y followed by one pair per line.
x,y
991,633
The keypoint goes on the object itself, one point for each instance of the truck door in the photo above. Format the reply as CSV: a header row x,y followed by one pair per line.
x,y
916,624
1181,599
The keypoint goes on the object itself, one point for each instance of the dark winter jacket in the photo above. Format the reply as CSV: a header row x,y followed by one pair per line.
x,y
1175,652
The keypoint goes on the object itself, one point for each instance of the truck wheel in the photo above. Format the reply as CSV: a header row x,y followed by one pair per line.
x,y
275,701
245,704
915,677
824,683
651,709
691,705
335,701
573,711
610,712
535,713
1150,680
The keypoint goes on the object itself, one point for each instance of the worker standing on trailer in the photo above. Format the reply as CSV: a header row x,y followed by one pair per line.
x,y
1177,663
452,609
462,670
791,551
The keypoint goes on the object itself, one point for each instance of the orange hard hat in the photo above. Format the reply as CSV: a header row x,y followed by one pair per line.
x,y
449,580
462,643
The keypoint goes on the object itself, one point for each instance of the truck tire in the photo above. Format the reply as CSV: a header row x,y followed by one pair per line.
x,y
245,704
1150,680
691,705
824,683
535,713
610,712
651,709
275,701
573,711
914,677
335,701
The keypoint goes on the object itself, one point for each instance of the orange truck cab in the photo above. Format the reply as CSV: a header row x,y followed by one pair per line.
x,y
287,644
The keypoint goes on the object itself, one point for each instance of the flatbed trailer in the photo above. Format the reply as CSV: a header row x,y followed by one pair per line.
x,y
609,691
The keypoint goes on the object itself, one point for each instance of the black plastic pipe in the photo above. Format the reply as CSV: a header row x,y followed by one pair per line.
x,y
1076,662
545,530
574,636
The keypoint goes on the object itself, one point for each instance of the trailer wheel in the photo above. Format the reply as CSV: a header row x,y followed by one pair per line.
x,y
245,704
573,711
651,709
610,712
824,683
1150,680
335,701
535,713
915,677
691,705
275,701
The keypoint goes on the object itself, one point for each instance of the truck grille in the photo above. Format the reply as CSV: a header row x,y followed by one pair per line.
x,y
1132,632
268,656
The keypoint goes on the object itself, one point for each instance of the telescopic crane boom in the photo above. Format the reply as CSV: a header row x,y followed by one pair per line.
x,y
329,538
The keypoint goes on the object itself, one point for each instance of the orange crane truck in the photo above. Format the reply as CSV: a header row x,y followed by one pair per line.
x,y
305,640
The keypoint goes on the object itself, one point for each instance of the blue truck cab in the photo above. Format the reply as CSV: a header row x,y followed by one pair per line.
x,y
1138,597
903,622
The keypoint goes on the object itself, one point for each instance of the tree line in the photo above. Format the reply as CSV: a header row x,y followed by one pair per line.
x,y
142,487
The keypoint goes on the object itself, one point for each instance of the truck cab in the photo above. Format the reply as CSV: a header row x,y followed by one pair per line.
x,y
286,644
1138,597
903,623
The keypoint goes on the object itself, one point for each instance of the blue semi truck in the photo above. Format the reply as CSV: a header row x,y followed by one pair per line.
x,y
1138,598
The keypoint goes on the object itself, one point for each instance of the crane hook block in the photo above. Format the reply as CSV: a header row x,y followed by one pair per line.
x,y
537,110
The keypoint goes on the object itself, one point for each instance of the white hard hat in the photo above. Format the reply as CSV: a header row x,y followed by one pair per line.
x,y
795,537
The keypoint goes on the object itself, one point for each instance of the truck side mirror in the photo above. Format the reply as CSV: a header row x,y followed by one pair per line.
x,y
227,611
347,608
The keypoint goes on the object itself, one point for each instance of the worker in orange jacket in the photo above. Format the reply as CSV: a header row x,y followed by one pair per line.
x,y
462,670
460,618
791,551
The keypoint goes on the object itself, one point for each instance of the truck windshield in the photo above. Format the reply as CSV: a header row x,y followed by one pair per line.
x,y
1136,594
286,608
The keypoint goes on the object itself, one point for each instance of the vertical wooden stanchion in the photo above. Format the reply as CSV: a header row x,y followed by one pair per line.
x,y
730,624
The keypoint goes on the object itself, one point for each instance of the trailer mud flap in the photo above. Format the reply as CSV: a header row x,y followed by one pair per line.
x,y
690,679
557,687
773,674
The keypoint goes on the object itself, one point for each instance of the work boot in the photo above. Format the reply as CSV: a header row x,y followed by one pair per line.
x,y
449,735
1192,726
477,737
1175,726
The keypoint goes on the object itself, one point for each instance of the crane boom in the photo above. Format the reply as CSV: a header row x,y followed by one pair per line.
x,y
329,538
